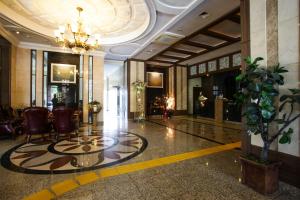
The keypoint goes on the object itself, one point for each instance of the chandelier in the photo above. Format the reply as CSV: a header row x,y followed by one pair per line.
x,y
77,37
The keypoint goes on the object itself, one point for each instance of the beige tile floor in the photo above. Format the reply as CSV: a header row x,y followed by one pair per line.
x,y
211,177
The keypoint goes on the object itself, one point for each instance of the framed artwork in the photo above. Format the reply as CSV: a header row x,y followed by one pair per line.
x,y
155,80
202,68
212,65
193,70
63,73
224,62
236,59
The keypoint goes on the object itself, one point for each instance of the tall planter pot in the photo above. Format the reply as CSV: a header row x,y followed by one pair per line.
x,y
263,178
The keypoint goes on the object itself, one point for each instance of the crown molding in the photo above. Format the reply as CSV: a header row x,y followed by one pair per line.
x,y
43,47
9,36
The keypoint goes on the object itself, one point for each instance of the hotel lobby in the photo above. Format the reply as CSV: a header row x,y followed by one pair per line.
x,y
149,99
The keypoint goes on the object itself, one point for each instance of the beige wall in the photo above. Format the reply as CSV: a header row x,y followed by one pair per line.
x,y
21,80
288,55
181,88
39,78
137,72
171,82
98,82
266,21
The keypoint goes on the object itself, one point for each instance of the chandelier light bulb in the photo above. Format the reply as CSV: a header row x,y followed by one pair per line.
x,y
56,33
61,29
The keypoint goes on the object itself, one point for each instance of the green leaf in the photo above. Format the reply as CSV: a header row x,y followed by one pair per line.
x,y
239,77
294,91
267,114
284,139
257,60
286,136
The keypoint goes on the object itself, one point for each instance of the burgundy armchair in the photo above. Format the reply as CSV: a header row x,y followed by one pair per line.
x,y
36,121
63,122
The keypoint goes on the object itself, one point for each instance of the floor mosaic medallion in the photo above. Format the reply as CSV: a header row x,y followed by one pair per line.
x,y
80,153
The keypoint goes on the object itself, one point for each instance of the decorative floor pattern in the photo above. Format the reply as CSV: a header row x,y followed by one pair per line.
x,y
79,153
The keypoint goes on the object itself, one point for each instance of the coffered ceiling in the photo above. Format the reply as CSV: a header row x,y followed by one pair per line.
x,y
222,32
129,28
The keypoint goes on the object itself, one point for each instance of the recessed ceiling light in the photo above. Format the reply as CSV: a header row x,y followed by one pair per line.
x,y
203,15
17,32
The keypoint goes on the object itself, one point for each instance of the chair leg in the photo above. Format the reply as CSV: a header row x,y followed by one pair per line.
x,y
57,136
28,137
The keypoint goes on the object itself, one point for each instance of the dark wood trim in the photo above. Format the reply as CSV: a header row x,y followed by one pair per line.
x,y
206,51
195,44
161,61
220,36
171,57
289,170
235,18
182,51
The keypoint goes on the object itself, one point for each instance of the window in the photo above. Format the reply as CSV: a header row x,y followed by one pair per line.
x,y
33,78
45,78
90,79
81,79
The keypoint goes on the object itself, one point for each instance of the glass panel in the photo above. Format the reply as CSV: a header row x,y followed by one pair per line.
x,y
45,82
81,79
33,78
90,80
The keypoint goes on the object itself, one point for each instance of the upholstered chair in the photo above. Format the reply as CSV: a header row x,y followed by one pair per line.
x,y
36,121
63,121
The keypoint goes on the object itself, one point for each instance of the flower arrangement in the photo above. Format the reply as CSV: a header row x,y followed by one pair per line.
x,y
139,85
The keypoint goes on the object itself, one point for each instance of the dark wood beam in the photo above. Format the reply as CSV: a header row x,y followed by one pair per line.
x,y
173,57
203,52
220,36
235,18
196,44
161,61
182,51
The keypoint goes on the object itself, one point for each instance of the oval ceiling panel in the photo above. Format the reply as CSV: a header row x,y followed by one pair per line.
x,y
116,20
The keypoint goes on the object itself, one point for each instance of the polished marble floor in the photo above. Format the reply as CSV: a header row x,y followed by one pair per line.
x,y
214,176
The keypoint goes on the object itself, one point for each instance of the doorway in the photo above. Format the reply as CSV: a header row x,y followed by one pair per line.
x,y
113,90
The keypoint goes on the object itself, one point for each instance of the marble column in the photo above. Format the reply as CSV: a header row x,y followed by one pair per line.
x,y
98,82
274,35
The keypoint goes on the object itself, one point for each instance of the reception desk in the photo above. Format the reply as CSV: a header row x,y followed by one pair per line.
x,y
219,109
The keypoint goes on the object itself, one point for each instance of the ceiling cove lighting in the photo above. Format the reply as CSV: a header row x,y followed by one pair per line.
x,y
77,37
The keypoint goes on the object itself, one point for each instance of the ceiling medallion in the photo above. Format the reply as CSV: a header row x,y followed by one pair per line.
x,y
77,37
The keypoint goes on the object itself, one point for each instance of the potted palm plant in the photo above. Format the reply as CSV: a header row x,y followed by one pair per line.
x,y
259,95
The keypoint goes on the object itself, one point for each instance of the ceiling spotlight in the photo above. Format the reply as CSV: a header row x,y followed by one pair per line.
x,y
17,32
204,15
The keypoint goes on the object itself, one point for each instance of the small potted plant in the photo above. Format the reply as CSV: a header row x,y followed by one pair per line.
x,y
258,94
